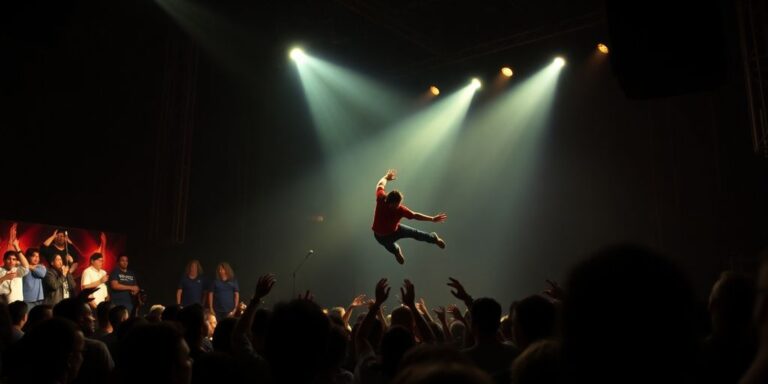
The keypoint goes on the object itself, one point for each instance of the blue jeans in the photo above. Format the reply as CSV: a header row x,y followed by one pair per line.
x,y
403,232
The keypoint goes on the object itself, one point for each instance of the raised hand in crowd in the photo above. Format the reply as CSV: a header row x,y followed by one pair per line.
x,y
382,292
359,301
408,295
362,345
443,319
459,292
12,237
264,287
421,305
242,332
456,313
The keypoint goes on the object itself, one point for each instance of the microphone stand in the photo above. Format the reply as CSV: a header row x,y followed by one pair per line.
x,y
66,249
297,270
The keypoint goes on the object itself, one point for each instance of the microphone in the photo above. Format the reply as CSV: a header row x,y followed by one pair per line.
x,y
66,233
309,253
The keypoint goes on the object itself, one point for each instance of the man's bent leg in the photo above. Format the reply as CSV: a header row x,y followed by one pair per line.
x,y
389,242
405,231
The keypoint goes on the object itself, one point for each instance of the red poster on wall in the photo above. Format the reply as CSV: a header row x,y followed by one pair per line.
x,y
81,243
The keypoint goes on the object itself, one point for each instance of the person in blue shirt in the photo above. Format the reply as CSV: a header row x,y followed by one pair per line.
x,y
33,281
123,284
225,292
192,285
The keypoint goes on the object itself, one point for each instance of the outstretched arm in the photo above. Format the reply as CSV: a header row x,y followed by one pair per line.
x,y
439,218
408,294
362,346
391,174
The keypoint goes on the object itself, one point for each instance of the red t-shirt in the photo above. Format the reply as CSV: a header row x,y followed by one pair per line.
x,y
386,218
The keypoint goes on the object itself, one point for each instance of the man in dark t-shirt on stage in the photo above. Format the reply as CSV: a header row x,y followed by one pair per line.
x,y
386,220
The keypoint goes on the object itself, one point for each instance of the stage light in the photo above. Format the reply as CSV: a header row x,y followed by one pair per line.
x,y
602,48
559,62
434,90
476,84
297,55
507,71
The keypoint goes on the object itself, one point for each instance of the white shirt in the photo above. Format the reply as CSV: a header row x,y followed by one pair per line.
x,y
13,288
91,275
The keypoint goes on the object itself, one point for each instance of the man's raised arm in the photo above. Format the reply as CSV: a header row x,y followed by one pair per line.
x,y
391,174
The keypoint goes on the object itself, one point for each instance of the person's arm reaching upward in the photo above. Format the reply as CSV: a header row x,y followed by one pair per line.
x,y
362,346
408,295
49,240
391,174
22,259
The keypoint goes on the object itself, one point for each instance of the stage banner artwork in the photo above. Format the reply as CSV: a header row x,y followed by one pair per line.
x,y
81,243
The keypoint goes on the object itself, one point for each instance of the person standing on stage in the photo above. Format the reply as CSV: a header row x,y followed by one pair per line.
x,y
33,281
192,285
225,292
59,242
95,277
123,283
11,274
386,220
58,283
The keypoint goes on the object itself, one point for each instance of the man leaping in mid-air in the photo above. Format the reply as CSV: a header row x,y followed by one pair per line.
x,y
386,220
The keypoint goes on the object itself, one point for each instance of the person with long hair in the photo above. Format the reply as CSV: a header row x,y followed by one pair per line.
x,y
225,292
191,289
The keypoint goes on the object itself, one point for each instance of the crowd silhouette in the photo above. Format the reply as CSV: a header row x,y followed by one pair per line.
x,y
625,314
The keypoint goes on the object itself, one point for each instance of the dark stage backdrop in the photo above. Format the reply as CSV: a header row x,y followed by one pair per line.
x,y
85,240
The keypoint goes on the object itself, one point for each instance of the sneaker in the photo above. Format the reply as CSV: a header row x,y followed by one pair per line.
x,y
440,242
400,259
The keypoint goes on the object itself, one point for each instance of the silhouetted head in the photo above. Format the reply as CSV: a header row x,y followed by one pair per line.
x,y
154,353
533,319
102,313
58,343
486,316
338,340
18,312
78,312
296,341
395,343
37,315
194,327
117,315
403,317
222,335
394,197
628,316
443,373
540,362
